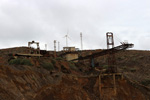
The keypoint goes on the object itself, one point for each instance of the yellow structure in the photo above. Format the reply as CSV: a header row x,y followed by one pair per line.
x,y
71,56
69,49
70,53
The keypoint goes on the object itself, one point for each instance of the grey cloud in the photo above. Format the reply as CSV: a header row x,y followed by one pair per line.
x,y
48,20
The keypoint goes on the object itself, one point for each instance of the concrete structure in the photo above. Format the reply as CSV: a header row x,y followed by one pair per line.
x,y
69,49
70,53
71,56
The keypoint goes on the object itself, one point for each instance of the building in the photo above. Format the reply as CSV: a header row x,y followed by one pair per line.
x,y
70,53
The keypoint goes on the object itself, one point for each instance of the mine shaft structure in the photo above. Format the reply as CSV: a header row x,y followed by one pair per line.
x,y
110,51
111,73
38,47
111,60
107,79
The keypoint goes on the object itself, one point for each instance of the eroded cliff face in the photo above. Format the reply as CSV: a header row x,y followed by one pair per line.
x,y
45,78
29,83
55,79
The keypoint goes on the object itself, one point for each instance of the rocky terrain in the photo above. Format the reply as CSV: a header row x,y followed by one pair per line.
x,y
49,78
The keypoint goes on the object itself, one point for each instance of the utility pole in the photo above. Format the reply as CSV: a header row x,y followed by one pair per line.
x,y
54,45
81,41
58,45
54,48
45,46
66,40
66,36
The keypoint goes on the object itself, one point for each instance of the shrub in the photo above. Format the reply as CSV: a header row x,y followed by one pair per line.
x,y
72,66
124,67
120,58
59,58
146,82
134,59
72,62
105,66
26,62
133,69
53,61
20,61
48,66
14,61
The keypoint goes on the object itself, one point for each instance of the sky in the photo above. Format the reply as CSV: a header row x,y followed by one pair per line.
x,y
44,21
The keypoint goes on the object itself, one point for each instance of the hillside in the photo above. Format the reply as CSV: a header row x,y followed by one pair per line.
x,y
132,63
49,78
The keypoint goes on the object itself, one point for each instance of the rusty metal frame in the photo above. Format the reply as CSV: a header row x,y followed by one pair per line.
x,y
111,59
37,43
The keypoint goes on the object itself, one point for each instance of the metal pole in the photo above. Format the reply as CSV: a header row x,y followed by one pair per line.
x,y
81,41
45,46
58,45
66,40
54,45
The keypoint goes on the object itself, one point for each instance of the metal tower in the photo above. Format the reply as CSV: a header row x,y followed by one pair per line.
x,y
67,37
110,40
54,45
58,45
111,55
45,46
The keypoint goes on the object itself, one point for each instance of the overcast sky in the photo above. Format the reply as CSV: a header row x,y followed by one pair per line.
x,y
44,21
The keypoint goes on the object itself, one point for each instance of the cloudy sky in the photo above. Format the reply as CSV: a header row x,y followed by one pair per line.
x,y
44,21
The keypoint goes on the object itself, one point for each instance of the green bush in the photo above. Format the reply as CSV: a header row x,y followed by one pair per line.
x,y
48,66
71,62
105,66
26,62
121,58
146,82
72,66
134,59
124,67
20,61
59,58
53,61
14,61
133,69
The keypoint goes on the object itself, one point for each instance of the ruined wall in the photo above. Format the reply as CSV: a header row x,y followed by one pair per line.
x,y
71,56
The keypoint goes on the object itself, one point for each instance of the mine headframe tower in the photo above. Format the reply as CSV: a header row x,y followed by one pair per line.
x,y
110,52
111,72
38,47
112,68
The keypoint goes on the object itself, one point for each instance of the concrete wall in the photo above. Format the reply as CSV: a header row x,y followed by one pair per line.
x,y
71,56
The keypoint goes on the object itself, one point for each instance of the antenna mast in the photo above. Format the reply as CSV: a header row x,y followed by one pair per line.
x,y
81,41
66,40
66,36
54,45
45,46
58,45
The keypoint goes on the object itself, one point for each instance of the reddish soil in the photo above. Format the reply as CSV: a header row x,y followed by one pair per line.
x,y
63,80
